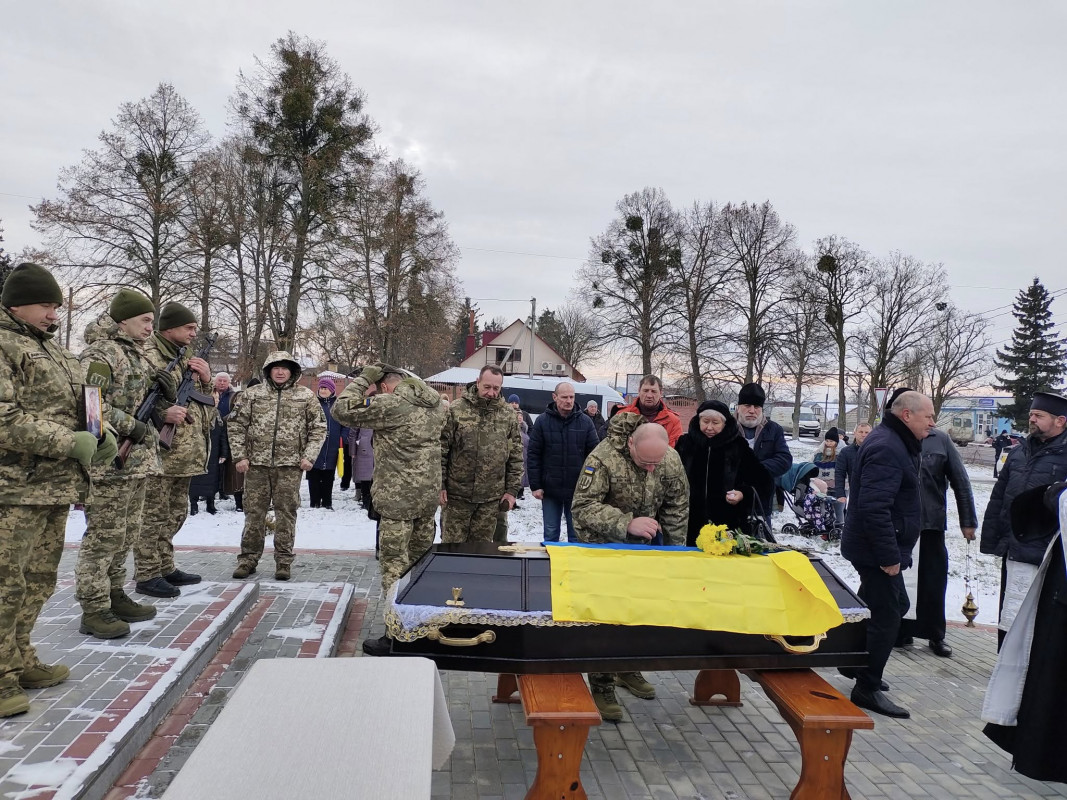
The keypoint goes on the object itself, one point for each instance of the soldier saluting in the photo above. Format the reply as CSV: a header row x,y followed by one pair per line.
x,y
44,467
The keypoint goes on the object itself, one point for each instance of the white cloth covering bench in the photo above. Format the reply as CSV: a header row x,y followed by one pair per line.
x,y
324,728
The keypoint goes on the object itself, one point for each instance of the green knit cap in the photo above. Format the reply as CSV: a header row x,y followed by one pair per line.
x,y
28,284
174,315
129,303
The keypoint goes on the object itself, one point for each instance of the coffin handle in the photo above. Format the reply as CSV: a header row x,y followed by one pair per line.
x,y
799,649
485,637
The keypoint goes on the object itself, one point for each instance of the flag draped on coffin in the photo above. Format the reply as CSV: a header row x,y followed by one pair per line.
x,y
777,594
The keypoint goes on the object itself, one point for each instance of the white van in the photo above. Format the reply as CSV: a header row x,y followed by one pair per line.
x,y
782,413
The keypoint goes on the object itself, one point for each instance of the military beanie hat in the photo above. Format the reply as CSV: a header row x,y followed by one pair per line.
x,y
129,303
174,315
29,284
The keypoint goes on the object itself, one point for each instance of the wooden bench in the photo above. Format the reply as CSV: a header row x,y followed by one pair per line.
x,y
823,720
560,710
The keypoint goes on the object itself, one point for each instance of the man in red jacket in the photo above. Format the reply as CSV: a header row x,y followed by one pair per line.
x,y
650,405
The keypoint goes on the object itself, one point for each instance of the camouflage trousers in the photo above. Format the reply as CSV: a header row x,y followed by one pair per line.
x,y
464,521
165,510
31,542
263,485
401,543
114,525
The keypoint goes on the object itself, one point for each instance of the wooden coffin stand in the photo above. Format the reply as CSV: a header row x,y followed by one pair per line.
x,y
543,665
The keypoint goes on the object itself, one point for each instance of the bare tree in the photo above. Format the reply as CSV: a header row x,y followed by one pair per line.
x,y
307,121
842,274
629,273
572,332
804,350
761,256
206,225
957,358
699,279
118,220
900,317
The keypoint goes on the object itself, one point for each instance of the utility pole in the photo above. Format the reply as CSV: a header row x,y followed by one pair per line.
x,y
533,324
70,313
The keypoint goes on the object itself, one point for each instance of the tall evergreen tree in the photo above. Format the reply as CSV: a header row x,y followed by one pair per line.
x,y
1036,359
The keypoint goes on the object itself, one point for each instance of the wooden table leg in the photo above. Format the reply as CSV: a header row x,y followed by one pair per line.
x,y
559,760
712,682
507,687
823,754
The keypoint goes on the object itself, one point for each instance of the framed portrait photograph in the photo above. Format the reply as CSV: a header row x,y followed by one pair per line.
x,y
94,420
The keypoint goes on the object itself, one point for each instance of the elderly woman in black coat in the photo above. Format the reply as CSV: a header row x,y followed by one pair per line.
x,y
724,474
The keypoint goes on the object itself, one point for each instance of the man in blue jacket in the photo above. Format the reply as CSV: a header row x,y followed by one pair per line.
x,y
881,529
560,441
765,436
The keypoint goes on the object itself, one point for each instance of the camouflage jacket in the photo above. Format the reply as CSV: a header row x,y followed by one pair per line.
x,y
130,375
481,449
188,453
612,490
276,427
40,409
407,435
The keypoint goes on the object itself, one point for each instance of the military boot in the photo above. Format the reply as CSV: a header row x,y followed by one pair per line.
x,y
636,684
607,703
243,571
13,701
281,572
104,625
129,610
41,676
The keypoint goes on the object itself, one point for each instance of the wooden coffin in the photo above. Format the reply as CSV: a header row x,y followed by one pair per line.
x,y
499,581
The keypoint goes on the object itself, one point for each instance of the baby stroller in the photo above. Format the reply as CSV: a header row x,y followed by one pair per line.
x,y
817,515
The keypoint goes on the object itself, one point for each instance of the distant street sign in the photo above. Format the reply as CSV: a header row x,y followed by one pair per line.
x,y
633,384
986,402
879,399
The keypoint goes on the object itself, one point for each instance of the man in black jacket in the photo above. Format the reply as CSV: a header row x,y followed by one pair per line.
x,y
561,439
881,529
599,423
846,463
1040,460
765,436
941,467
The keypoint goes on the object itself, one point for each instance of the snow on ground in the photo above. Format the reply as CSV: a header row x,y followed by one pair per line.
x,y
348,528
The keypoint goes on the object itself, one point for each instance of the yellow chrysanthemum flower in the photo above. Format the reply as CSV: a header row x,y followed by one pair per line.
x,y
716,540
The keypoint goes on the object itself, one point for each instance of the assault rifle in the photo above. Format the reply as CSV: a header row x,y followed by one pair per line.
x,y
188,394
145,412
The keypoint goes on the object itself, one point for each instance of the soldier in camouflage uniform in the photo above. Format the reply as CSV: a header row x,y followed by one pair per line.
x,y
632,490
116,361
406,416
481,461
45,457
276,431
168,507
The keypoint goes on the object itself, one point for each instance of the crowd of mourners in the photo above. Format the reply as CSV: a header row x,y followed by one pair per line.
x,y
137,431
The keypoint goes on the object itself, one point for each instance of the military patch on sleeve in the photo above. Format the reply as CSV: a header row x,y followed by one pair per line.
x,y
98,374
366,402
589,469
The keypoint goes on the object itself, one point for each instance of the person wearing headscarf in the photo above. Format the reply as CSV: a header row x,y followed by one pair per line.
x,y
724,473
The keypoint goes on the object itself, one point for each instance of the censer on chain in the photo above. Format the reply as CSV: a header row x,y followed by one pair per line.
x,y
970,608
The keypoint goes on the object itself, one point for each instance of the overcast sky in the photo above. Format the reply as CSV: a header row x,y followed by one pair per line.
x,y
934,128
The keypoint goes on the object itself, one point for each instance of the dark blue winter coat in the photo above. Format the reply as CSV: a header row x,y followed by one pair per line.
x,y
773,453
1029,465
334,431
884,507
558,447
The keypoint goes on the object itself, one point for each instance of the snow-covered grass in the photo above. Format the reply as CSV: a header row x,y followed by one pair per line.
x,y
348,528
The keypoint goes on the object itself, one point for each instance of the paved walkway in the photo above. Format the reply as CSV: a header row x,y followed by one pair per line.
x,y
666,748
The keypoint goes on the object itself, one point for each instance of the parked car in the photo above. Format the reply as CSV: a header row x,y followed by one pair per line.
x,y
810,425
